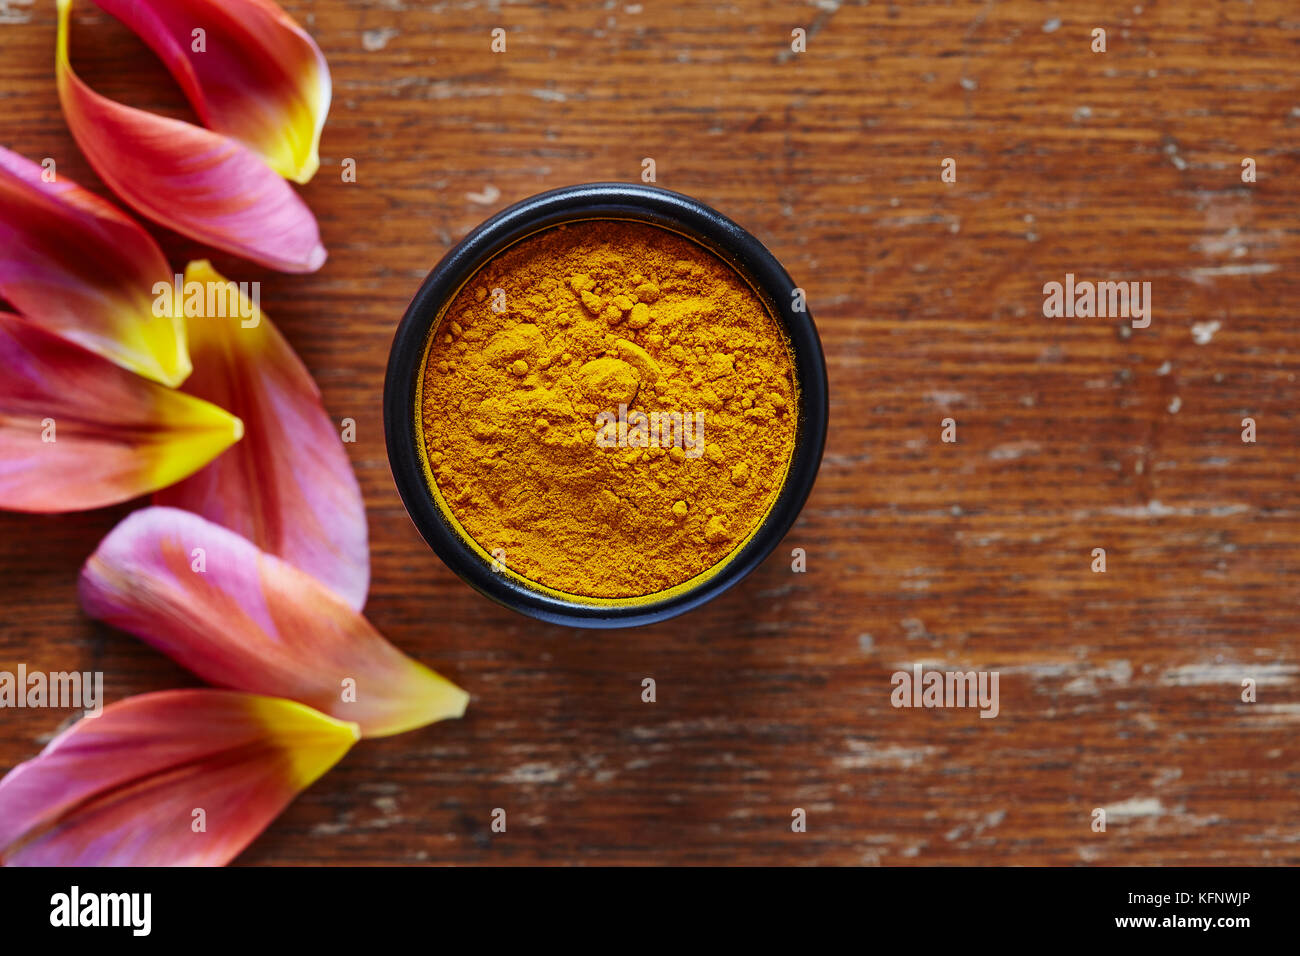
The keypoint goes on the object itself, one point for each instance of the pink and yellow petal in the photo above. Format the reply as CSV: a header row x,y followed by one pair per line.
x,y
87,270
288,486
258,78
202,184
125,788
78,432
247,620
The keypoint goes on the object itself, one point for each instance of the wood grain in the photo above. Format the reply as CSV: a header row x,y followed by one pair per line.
x,y
1118,690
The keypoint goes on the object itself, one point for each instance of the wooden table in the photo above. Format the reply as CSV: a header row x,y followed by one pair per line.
x,y
1119,690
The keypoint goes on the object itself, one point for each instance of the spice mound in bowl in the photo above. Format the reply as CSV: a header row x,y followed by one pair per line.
x,y
608,409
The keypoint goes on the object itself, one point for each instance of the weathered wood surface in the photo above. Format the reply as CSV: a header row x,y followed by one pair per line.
x,y
1118,690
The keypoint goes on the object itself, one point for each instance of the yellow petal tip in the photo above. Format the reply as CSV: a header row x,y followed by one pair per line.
x,y
175,377
458,706
304,173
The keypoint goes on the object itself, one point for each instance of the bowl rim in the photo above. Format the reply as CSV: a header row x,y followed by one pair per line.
x,y
602,200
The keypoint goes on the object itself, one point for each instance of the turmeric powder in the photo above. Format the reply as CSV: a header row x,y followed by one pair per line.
x,y
608,408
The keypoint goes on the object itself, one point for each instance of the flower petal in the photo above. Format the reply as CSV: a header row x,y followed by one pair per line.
x,y
202,184
121,789
78,432
258,77
241,618
288,486
87,270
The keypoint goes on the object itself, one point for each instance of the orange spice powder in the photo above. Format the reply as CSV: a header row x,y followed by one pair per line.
x,y
608,408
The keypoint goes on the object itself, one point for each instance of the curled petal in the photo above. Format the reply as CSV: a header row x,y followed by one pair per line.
x,y
252,74
244,619
87,270
125,788
202,184
288,486
78,432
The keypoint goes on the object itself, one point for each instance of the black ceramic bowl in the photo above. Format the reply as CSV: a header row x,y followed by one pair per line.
x,y
403,384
